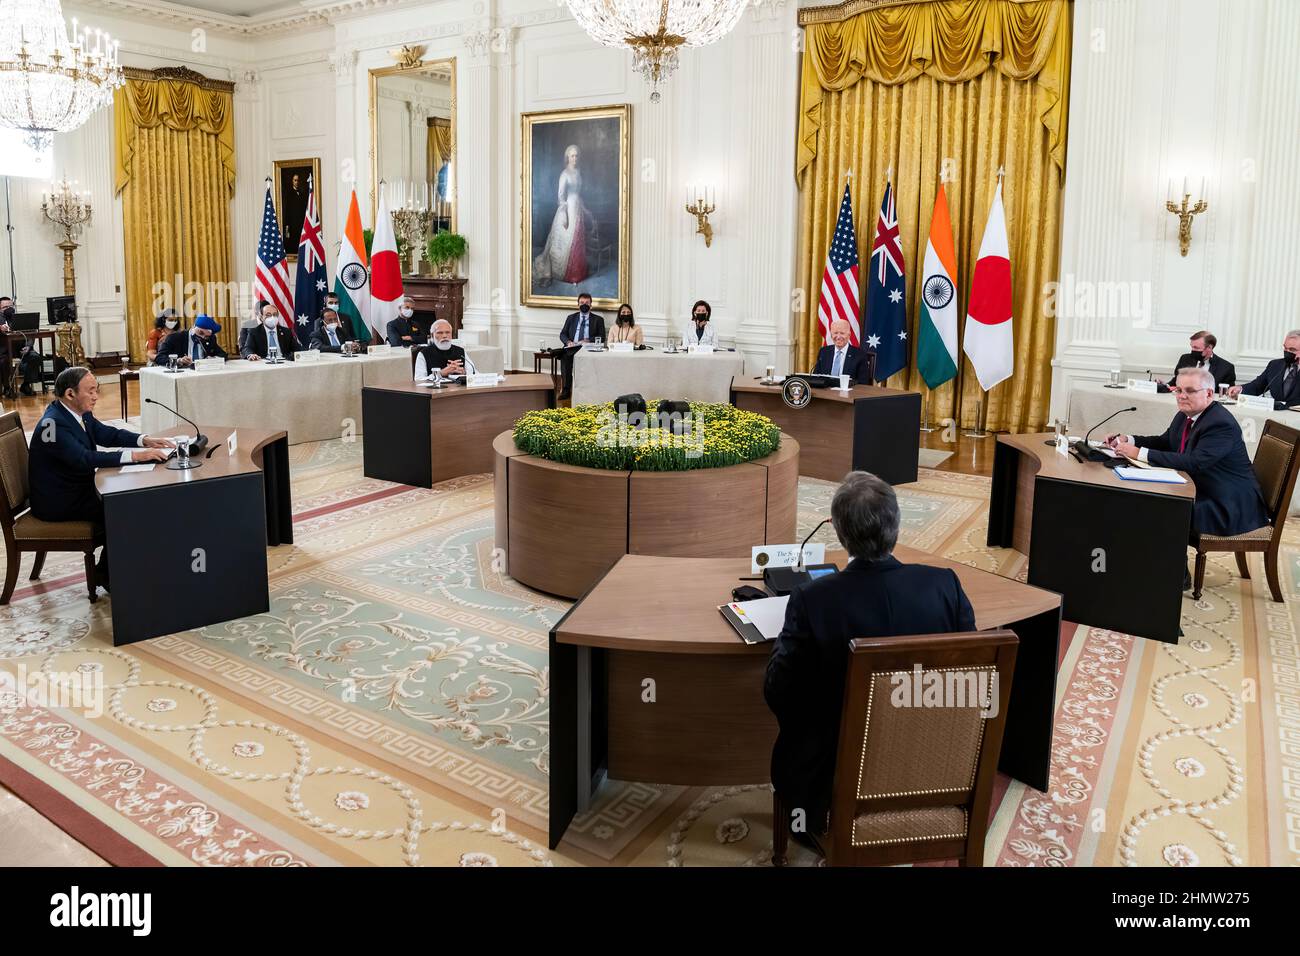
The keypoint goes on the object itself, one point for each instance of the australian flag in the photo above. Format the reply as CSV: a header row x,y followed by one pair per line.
x,y
885,329
311,285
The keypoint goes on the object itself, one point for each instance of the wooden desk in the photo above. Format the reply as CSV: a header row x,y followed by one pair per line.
x,y
868,428
655,617
188,548
417,435
1115,549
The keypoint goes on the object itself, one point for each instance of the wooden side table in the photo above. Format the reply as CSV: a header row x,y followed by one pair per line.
x,y
557,374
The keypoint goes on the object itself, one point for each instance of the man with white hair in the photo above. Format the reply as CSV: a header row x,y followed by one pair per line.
x,y
442,354
841,358
1205,441
406,331
1280,378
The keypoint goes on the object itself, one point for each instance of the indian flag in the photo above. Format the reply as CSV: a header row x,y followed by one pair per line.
x,y
351,278
936,346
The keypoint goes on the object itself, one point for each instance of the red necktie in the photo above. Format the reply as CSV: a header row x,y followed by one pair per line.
x,y
1187,428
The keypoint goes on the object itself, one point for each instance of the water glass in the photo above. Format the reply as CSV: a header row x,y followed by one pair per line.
x,y
1114,376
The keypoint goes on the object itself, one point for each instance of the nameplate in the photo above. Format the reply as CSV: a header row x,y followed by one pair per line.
x,y
307,355
482,380
379,349
621,346
784,556
232,443
1262,402
210,364
1138,385
700,349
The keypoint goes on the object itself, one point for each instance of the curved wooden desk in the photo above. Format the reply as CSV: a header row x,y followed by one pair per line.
x,y
188,548
419,436
561,526
868,428
657,618
1115,550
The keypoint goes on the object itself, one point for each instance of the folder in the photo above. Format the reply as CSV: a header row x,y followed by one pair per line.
x,y
756,621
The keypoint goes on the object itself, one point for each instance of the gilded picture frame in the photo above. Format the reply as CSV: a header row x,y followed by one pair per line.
x,y
575,212
291,203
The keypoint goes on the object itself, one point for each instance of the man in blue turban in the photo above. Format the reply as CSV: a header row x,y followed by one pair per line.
x,y
187,345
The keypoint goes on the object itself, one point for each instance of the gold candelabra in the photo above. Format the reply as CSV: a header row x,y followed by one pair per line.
x,y
1186,212
412,225
70,211
700,206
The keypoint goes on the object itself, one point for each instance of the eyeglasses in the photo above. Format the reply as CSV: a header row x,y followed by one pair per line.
x,y
1189,391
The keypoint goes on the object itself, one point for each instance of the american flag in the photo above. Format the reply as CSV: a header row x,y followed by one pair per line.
x,y
839,298
272,280
311,286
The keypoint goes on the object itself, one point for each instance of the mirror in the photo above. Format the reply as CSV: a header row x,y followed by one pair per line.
x,y
413,143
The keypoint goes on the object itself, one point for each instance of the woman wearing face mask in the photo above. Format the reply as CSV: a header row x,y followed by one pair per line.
x,y
625,328
699,331
166,323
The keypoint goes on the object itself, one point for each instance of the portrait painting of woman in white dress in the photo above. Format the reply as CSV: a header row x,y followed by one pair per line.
x,y
575,206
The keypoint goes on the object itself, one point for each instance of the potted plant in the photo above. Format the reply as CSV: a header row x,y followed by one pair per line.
x,y
444,249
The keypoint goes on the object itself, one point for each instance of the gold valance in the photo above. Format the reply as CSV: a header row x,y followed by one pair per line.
x,y
949,40
181,100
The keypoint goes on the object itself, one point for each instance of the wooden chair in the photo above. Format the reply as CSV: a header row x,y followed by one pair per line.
x,y
22,530
912,782
1276,465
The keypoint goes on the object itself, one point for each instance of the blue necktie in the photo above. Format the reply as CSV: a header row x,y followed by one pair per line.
x,y
582,328
838,364
197,350
333,338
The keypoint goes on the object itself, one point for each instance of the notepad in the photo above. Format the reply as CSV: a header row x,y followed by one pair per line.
x,y
1166,476
757,621
127,469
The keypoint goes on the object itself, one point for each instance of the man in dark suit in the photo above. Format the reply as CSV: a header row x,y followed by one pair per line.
x,y
257,344
63,456
190,344
1280,378
29,360
406,330
1205,441
841,358
874,596
1202,355
581,326
328,335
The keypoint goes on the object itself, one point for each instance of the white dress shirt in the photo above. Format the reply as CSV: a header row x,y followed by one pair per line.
x,y
1142,452
126,455
422,371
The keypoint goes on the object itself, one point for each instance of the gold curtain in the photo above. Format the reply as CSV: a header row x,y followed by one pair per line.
x,y
439,146
175,170
958,87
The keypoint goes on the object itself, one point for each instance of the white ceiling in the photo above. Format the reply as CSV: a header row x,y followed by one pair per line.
x,y
237,8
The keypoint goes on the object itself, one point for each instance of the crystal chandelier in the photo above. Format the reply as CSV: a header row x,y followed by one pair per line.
x,y
49,84
654,29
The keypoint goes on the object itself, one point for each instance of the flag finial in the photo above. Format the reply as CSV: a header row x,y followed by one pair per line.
x,y
1002,171
889,173
268,181
848,175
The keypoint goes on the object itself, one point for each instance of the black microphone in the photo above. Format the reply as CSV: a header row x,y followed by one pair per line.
x,y
799,564
200,441
1089,453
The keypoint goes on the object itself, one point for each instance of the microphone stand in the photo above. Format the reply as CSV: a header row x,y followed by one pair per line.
x,y
195,447
1088,453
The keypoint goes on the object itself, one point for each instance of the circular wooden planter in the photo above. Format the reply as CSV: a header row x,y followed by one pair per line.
x,y
562,526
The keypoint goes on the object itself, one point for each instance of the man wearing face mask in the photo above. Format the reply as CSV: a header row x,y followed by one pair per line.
x,y
1280,378
29,360
257,345
329,334
700,332
580,327
406,330
441,354
189,345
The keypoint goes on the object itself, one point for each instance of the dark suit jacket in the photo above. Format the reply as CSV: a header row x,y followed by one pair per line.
x,y
412,327
595,327
855,362
255,342
320,339
1223,371
178,343
1228,499
62,460
1270,380
805,675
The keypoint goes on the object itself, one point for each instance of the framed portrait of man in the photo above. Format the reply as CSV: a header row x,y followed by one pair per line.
x,y
291,179
576,206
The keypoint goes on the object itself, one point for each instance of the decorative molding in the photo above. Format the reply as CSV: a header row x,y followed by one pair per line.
x,y
408,57
180,73
283,20
843,11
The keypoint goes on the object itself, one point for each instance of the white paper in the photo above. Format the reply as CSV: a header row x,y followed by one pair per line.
x,y
766,614
1165,476
232,443
127,469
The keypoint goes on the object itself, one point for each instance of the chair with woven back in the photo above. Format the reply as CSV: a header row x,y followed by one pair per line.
x,y
913,781
1276,466
23,531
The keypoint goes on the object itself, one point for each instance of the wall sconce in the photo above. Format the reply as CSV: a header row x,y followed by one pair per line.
x,y
700,201
1185,213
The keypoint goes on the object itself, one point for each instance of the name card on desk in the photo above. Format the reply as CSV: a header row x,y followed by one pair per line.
x,y
232,443
621,346
700,349
1262,402
379,349
1138,385
784,556
482,380
307,355
210,364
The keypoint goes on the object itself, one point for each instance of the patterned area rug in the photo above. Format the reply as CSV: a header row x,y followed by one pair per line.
x,y
391,708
